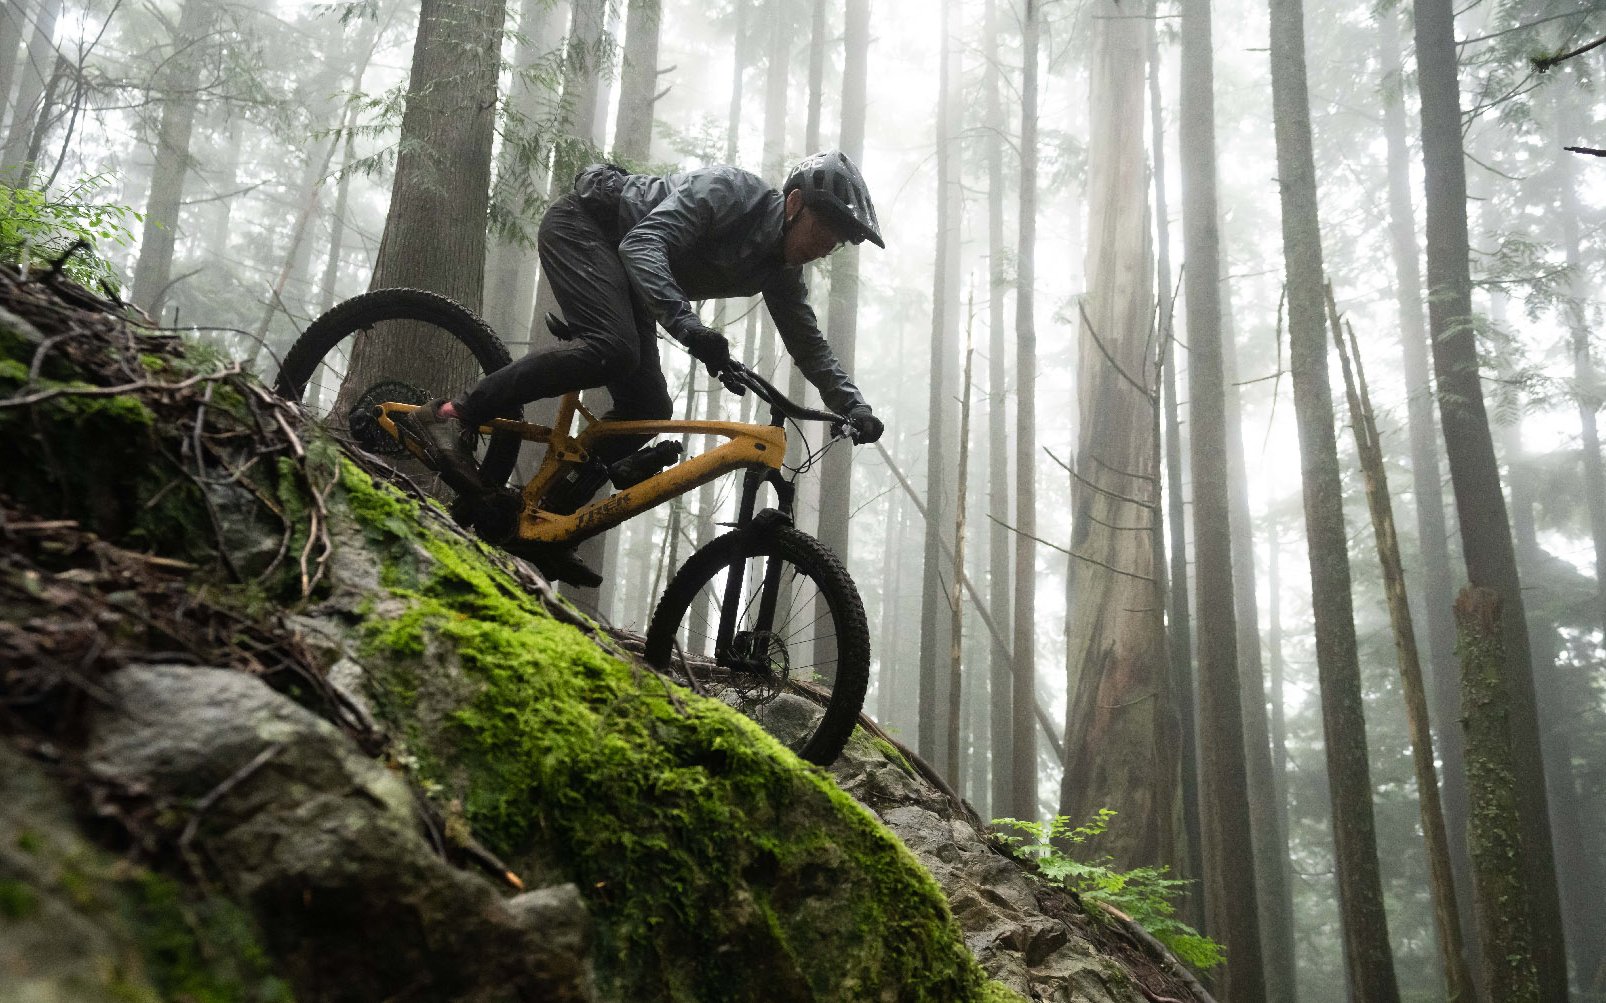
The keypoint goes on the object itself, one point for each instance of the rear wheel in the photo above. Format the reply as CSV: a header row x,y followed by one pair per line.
x,y
800,669
392,342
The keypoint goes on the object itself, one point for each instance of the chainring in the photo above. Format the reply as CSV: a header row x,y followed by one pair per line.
x,y
364,427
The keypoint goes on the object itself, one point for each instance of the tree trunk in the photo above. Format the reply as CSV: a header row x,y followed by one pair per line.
x,y
1268,812
999,665
1586,381
956,601
1229,866
1179,605
337,218
34,71
1274,649
1368,956
1495,837
777,90
638,83
434,236
1577,859
1121,722
934,638
511,264
842,311
706,495
13,21
1446,917
1474,476
1023,737
1436,598
1580,868
177,89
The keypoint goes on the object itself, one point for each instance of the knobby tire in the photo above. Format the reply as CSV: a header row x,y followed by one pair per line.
x,y
816,562
360,312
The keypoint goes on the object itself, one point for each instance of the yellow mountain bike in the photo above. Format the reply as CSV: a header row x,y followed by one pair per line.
x,y
770,610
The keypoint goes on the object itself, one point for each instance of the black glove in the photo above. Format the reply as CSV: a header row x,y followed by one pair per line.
x,y
864,426
709,347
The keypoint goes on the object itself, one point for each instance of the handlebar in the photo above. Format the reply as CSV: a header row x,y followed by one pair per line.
x,y
739,378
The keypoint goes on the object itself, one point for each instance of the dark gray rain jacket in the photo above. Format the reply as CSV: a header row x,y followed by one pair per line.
x,y
712,233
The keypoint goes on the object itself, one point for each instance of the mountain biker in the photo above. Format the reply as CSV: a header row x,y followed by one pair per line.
x,y
624,252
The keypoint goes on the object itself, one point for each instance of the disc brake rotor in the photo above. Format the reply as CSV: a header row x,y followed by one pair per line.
x,y
365,428
762,666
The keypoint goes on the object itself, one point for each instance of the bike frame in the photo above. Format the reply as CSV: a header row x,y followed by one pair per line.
x,y
759,449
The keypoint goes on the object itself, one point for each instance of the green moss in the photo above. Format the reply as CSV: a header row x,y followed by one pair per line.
x,y
997,992
716,863
17,900
205,952
29,842
894,754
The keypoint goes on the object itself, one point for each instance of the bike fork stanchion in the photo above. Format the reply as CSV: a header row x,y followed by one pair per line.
x,y
731,608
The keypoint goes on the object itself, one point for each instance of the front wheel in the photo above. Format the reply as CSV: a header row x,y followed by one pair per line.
x,y
797,660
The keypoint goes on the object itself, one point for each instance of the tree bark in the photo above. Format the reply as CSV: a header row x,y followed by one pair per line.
x,y
1577,861
1474,475
1446,917
1229,866
1179,604
1368,955
638,83
956,601
36,66
934,640
1122,746
842,310
434,236
1505,903
1023,737
1436,598
1000,667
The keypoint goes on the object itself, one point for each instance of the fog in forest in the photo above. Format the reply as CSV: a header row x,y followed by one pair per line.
x,y
1200,586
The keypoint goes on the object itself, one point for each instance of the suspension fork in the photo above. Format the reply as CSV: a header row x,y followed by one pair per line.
x,y
749,522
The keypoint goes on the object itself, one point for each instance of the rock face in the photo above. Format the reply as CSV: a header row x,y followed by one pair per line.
x,y
1009,923
315,838
271,730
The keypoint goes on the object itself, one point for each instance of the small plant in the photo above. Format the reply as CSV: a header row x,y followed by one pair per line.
x,y
1146,894
38,226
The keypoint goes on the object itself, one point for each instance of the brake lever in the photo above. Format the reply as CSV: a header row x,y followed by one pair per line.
x,y
732,383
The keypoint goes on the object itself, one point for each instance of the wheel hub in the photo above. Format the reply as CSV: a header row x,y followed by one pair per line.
x,y
762,665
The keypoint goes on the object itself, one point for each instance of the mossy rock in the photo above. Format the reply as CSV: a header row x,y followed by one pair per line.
x,y
78,925
716,863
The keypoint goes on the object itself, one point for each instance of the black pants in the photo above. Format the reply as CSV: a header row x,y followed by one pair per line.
x,y
615,343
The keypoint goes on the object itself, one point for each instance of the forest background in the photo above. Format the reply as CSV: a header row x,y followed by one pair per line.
x,y
1146,569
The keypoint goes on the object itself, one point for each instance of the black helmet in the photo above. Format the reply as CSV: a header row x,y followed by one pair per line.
x,y
832,185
